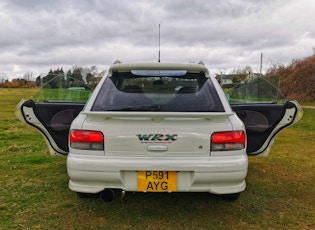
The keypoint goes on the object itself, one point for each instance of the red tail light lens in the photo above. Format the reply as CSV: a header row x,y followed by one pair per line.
x,y
86,139
225,141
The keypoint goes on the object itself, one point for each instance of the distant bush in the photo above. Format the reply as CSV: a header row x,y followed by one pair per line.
x,y
297,79
18,83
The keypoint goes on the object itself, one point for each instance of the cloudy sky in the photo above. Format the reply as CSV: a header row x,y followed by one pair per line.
x,y
38,35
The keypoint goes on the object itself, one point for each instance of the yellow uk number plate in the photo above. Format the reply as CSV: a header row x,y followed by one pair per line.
x,y
156,181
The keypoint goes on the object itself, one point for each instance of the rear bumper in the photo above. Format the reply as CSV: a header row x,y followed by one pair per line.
x,y
218,175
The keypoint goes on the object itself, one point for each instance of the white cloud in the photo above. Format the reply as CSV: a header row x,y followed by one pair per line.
x,y
37,36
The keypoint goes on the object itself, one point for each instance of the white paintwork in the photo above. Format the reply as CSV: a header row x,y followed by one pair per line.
x,y
198,169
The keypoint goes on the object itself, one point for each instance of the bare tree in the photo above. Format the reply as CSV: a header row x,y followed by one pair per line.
x,y
28,76
3,77
245,70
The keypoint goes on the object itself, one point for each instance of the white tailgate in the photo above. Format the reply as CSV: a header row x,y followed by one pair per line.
x,y
153,134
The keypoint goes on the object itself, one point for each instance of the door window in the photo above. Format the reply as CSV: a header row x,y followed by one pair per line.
x,y
64,88
252,88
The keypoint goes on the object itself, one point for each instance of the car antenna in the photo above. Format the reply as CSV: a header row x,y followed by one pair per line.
x,y
159,58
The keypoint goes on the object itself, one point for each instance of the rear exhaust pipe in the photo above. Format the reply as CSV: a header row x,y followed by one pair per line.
x,y
108,195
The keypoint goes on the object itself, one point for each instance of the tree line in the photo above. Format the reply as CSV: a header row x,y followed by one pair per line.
x,y
76,77
297,79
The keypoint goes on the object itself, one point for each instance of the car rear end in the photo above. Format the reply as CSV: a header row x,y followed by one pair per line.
x,y
157,128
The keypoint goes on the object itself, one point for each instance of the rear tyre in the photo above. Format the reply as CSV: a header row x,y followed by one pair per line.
x,y
230,197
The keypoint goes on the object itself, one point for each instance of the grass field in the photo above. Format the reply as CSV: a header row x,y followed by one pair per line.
x,y
34,193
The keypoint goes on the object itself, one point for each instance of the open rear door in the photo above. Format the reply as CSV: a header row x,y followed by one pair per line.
x,y
264,121
263,110
52,120
53,108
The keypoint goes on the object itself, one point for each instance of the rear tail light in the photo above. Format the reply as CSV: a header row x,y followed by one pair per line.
x,y
87,140
225,141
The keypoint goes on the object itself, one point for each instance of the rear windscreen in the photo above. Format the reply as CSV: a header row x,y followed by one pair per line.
x,y
158,90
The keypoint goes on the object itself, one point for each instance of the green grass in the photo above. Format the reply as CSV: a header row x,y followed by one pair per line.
x,y
63,95
34,192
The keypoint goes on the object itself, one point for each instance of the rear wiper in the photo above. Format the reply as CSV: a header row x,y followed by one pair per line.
x,y
153,107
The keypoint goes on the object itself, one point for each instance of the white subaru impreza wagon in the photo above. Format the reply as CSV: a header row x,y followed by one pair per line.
x,y
161,127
